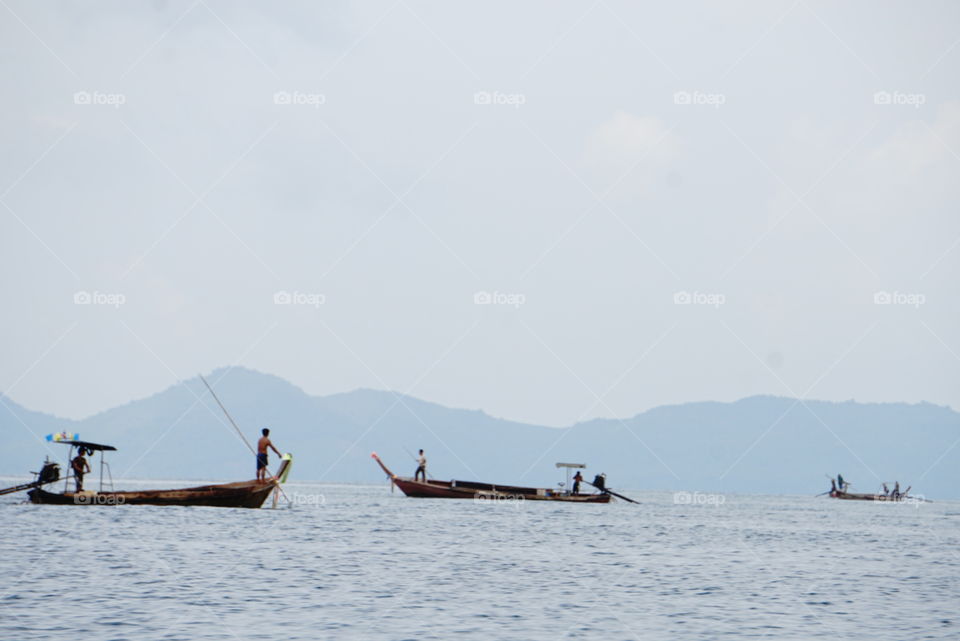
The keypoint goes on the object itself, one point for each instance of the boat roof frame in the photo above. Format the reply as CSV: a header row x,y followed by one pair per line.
x,y
97,447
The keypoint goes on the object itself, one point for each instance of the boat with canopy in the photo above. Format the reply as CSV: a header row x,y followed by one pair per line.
x,y
454,489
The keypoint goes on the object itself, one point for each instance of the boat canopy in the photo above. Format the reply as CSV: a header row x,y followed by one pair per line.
x,y
90,446
577,465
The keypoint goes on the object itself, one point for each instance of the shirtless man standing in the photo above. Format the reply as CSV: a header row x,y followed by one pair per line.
x,y
262,446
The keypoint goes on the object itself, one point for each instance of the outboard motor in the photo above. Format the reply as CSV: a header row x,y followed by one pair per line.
x,y
49,473
600,481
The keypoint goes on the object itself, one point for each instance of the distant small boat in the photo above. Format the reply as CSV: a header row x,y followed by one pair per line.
x,y
248,494
838,490
433,489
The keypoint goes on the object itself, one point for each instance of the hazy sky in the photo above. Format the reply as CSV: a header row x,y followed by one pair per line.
x,y
583,163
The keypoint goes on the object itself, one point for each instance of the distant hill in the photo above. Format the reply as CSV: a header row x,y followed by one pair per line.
x,y
760,444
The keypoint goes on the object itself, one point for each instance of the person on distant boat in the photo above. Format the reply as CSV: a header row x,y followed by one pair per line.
x,y
576,482
262,446
833,486
841,484
896,490
421,467
80,467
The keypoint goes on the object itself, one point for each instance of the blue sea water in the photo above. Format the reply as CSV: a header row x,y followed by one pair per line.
x,y
350,562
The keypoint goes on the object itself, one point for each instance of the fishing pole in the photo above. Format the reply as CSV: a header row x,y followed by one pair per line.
x,y
242,437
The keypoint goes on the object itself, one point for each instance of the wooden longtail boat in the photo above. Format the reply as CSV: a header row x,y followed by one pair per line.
x,y
433,489
248,494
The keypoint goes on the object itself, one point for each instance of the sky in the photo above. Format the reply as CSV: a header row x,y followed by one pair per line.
x,y
551,211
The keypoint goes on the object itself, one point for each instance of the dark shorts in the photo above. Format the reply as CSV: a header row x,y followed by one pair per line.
x,y
261,461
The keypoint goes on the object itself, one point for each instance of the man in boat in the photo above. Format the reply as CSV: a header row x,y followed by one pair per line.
x,y
576,482
421,467
841,484
80,467
896,490
262,446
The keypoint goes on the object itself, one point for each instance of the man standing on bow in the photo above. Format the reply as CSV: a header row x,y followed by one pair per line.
x,y
262,446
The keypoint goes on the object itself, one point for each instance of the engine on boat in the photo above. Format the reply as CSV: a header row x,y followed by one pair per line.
x,y
49,473
600,481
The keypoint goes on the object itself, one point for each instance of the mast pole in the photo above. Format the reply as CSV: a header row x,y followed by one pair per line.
x,y
242,437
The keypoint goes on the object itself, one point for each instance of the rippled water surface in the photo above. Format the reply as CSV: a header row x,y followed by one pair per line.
x,y
358,562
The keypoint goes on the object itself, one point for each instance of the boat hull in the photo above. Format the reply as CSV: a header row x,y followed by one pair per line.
x,y
484,491
851,496
247,494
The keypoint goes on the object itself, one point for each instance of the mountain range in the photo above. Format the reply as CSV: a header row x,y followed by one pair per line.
x,y
760,444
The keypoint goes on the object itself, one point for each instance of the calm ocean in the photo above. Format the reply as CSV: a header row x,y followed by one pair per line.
x,y
349,562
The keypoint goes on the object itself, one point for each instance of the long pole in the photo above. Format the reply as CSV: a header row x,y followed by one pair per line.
x,y
611,492
242,437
